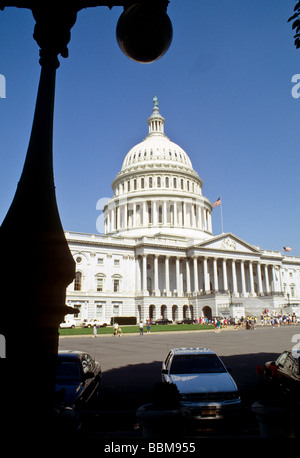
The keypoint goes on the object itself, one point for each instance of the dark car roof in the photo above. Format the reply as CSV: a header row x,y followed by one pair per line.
x,y
71,354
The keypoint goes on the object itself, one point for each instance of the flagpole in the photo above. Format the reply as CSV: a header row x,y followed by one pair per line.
x,y
221,215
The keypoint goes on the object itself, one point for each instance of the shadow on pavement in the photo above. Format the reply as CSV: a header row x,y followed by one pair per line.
x,y
125,389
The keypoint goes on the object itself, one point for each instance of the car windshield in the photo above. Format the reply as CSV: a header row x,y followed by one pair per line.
x,y
196,364
68,370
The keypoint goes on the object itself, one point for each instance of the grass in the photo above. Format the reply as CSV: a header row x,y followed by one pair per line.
x,y
136,330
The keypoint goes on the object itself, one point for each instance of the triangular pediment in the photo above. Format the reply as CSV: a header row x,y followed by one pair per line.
x,y
228,242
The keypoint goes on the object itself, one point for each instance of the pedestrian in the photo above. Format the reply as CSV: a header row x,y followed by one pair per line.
x,y
148,325
141,328
116,326
95,330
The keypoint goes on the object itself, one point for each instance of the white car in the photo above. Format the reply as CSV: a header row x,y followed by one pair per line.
x,y
92,323
206,388
68,324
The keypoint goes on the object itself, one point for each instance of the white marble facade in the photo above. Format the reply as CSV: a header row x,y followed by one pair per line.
x,y
158,255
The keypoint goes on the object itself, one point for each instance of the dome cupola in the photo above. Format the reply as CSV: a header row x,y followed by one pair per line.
x,y
157,190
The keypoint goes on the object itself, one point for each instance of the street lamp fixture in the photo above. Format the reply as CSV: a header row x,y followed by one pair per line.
x,y
34,291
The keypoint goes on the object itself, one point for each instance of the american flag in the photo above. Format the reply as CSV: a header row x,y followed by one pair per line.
x,y
287,248
217,202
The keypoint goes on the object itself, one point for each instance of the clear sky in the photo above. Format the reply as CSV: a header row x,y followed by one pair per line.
x,y
224,88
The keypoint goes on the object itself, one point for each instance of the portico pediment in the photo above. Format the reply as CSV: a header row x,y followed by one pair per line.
x,y
228,242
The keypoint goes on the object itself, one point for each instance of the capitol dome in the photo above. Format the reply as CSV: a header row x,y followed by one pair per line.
x,y
157,190
157,148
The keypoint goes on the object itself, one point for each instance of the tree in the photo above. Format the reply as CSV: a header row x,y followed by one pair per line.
x,y
296,24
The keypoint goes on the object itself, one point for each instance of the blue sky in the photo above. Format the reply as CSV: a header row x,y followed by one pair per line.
x,y
224,88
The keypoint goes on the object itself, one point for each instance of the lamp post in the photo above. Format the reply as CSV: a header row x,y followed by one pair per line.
x,y
31,234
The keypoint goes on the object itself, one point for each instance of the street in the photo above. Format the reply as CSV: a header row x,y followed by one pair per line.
x,y
131,366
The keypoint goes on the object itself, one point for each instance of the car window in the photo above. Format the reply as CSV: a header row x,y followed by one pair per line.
x,y
196,364
68,370
167,361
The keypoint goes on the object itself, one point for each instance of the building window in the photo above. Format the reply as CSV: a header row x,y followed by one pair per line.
x,y
142,183
116,285
128,185
181,183
292,289
116,309
160,214
77,307
134,184
158,182
174,183
78,281
100,309
100,282
149,213
150,182
116,262
100,261
167,182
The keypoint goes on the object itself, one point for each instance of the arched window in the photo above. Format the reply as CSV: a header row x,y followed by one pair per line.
x,y
78,281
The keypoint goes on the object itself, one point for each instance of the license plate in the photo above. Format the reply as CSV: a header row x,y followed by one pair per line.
x,y
208,411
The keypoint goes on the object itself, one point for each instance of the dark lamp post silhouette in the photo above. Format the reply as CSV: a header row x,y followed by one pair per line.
x,y
33,303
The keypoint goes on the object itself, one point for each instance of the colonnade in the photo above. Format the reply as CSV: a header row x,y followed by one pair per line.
x,y
124,215
163,275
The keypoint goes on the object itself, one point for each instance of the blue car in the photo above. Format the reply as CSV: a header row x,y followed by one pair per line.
x,y
78,378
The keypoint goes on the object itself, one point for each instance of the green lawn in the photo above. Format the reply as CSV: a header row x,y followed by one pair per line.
x,y
135,329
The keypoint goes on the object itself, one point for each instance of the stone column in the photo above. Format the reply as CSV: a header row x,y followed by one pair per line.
x,y
216,281
205,274
252,292
260,287
243,277
137,274
156,290
188,275
167,275
178,283
195,265
225,284
144,273
234,279
267,279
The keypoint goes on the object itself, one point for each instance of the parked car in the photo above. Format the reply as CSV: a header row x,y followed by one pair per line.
x,y
92,323
284,372
68,324
162,321
185,321
206,388
78,378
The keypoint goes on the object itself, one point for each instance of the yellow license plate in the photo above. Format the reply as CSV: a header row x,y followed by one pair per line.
x,y
209,411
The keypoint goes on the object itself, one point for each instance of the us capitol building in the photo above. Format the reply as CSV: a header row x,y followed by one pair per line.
x,y
158,256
